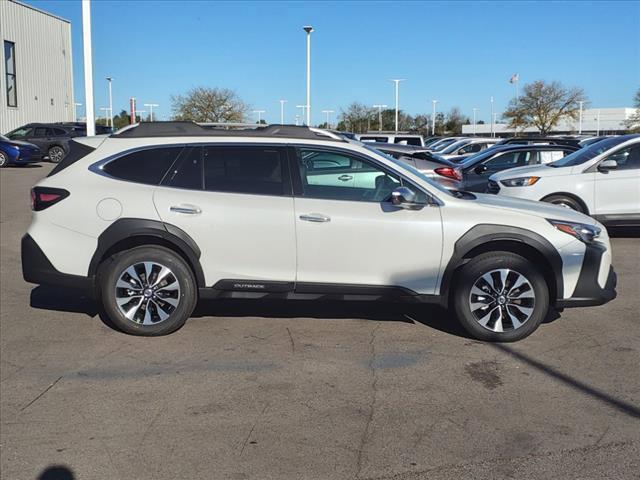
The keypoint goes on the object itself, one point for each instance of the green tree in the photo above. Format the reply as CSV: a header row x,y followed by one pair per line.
x,y
454,121
206,104
542,105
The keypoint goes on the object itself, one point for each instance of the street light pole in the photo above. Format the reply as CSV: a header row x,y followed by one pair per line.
x,y
259,112
106,114
282,102
433,120
580,121
297,120
397,82
109,79
379,107
151,105
88,68
328,114
308,29
493,133
303,107
139,114
474,120
598,119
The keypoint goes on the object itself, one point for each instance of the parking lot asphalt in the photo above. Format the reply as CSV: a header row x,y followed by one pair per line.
x,y
261,390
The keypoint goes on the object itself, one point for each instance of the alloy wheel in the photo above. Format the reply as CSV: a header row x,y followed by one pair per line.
x,y
147,293
502,300
56,154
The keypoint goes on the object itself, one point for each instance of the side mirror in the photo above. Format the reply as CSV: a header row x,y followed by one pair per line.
x,y
607,165
480,169
404,197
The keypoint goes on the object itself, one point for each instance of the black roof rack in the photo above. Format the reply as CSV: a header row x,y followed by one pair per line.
x,y
192,129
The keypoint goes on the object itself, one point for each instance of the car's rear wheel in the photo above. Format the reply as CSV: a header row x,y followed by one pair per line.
x,y
500,297
147,291
565,201
3,160
56,154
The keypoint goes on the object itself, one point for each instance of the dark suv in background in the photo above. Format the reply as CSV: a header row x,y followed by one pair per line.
x,y
53,138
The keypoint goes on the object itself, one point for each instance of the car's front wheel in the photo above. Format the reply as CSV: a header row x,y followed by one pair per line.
x,y
565,201
56,154
4,161
147,291
500,296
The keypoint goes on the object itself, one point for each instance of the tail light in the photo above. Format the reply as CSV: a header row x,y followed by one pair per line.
x,y
44,197
449,172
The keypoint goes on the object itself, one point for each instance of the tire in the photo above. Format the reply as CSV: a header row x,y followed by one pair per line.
x,y
149,312
565,201
4,161
56,154
506,317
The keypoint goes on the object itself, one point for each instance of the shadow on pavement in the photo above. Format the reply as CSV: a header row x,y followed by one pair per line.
x,y
56,472
620,405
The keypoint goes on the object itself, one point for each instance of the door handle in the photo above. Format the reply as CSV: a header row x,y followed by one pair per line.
x,y
345,178
186,209
315,217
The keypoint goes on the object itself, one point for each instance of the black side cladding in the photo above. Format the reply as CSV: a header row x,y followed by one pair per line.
x,y
77,151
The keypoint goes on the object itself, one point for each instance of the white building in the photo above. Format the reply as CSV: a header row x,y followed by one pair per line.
x,y
36,75
604,121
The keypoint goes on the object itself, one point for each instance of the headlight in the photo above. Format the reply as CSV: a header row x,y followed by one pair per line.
x,y
519,182
583,232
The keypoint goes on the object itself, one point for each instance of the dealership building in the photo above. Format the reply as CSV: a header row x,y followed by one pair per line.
x,y
36,75
603,121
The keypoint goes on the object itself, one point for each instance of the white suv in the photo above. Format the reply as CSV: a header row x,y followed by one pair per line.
x,y
601,180
155,217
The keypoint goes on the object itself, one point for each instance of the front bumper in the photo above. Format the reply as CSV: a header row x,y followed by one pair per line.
x,y
588,291
36,268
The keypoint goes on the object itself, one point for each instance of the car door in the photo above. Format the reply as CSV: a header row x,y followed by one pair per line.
x,y
39,138
617,191
353,235
235,202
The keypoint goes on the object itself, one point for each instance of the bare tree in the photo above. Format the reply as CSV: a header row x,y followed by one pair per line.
x,y
454,121
206,104
356,118
542,105
633,122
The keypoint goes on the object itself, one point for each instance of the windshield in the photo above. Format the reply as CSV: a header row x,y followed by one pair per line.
x,y
409,168
587,153
3,138
478,157
455,145
443,144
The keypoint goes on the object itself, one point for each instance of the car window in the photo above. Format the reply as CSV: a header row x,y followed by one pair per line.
x,y
40,132
588,153
471,148
144,166
58,132
187,172
408,141
23,132
508,160
325,160
362,181
374,139
252,170
547,156
627,159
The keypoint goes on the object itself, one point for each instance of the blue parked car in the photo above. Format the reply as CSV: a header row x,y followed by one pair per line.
x,y
15,152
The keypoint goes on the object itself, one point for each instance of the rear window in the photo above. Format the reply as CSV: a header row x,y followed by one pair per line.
x,y
77,151
408,141
144,166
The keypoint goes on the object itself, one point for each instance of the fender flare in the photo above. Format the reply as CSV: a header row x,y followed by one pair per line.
x,y
127,228
483,234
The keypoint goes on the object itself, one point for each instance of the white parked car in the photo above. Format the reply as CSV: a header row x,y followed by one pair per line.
x,y
157,216
399,138
466,147
601,180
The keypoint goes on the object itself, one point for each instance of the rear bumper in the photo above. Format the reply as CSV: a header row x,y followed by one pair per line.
x,y
36,268
588,291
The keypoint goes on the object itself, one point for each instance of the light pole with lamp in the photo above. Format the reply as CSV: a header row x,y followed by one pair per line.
x,y
580,120
151,105
493,133
109,79
75,111
328,114
474,120
259,112
308,29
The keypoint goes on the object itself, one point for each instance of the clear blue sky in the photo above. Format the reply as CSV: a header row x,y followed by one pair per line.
x,y
459,53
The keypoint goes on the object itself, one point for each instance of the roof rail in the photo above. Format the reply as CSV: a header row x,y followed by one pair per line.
x,y
192,129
